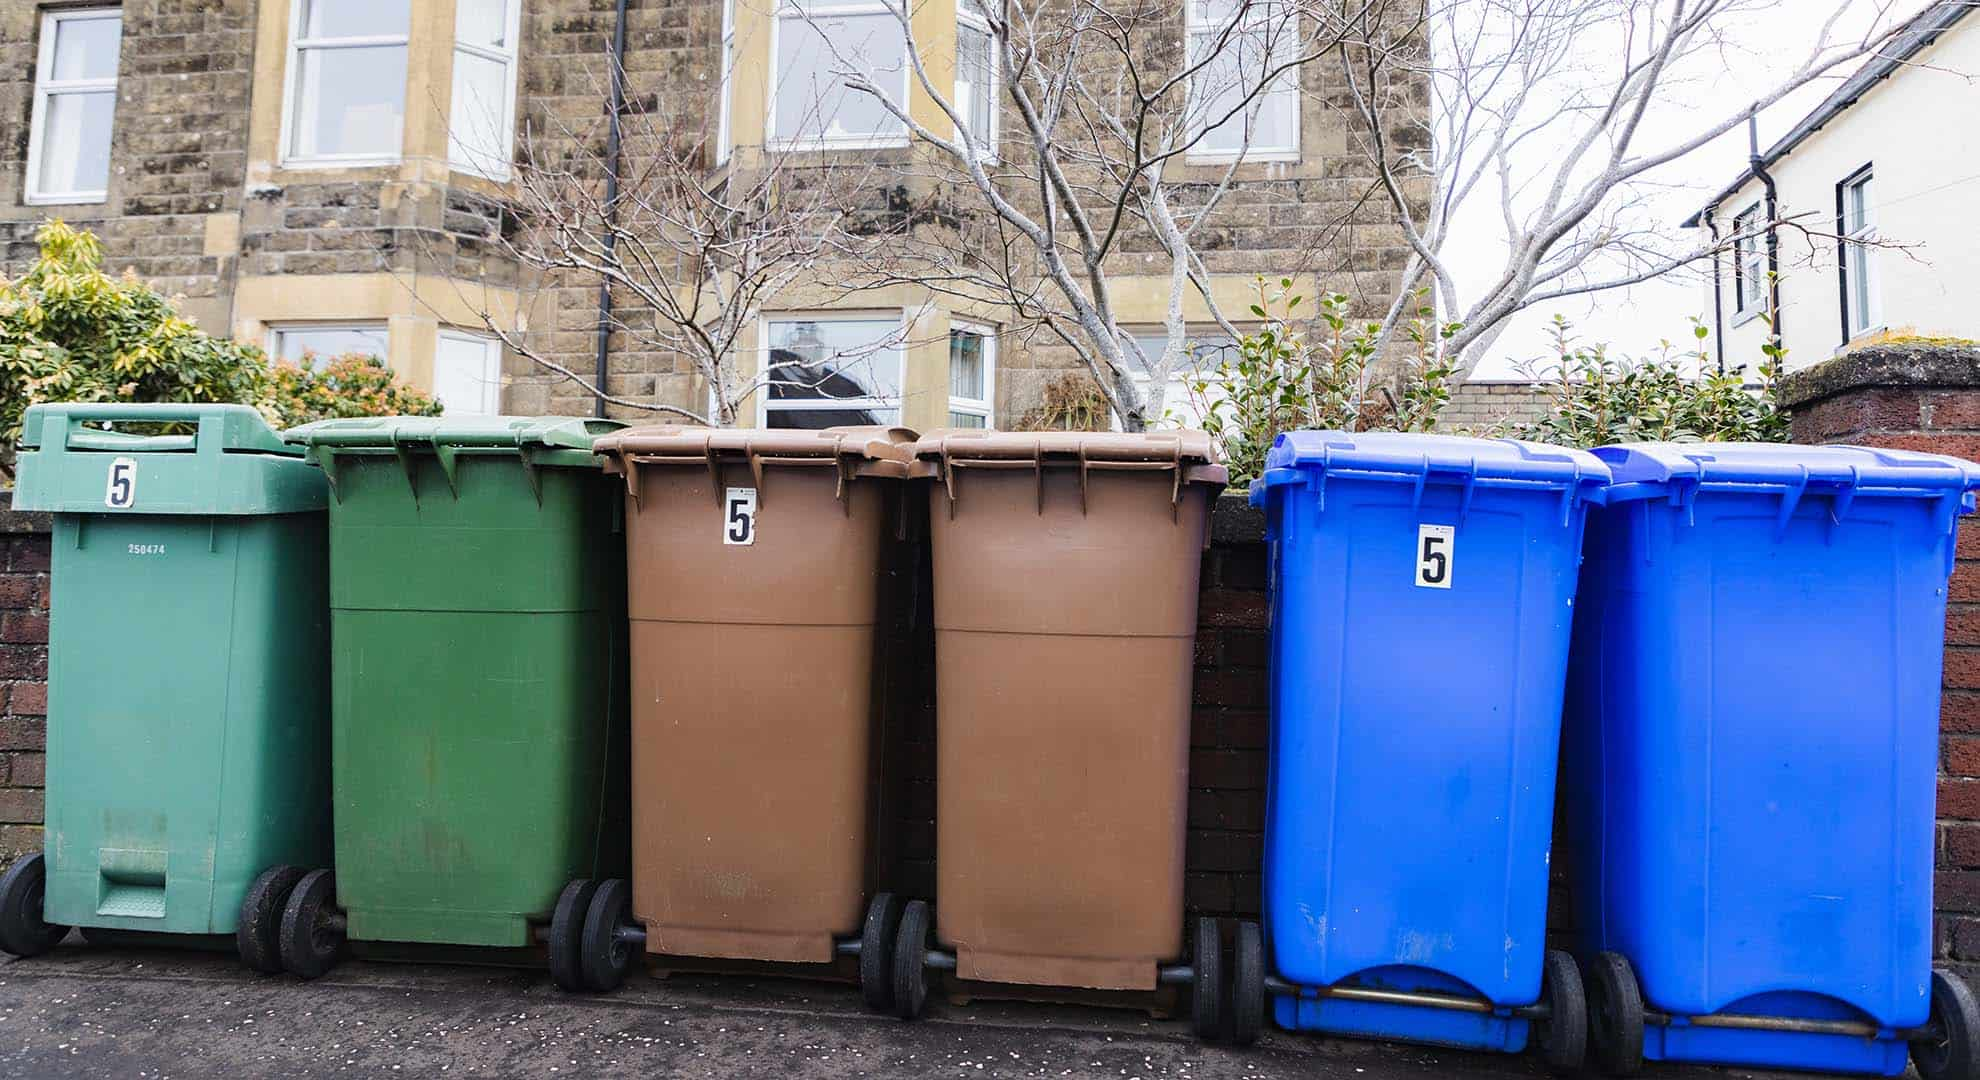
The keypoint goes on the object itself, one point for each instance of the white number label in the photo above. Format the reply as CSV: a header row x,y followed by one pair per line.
x,y
121,491
739,516
146,549
1434,544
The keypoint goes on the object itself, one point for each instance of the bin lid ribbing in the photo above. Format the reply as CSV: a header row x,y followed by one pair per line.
x,y
1192,452
1650,470
866,450
1411,457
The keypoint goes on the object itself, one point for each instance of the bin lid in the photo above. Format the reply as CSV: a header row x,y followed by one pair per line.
x,y
864,450
574,434
1189,451
1416,458
231,463
1650,470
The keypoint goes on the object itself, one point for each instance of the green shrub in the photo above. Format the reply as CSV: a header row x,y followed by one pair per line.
x,y
356,384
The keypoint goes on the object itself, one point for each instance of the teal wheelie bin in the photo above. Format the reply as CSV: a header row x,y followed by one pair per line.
x,y
188,685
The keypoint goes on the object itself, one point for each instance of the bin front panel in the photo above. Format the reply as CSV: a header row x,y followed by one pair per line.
x,y
479,702
1064,638
1751,751
752,672
187,683
1415,732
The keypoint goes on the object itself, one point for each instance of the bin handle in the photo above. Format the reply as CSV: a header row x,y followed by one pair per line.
x,y
208,419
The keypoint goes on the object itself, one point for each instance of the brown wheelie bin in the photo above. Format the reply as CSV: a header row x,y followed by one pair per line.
x,y
1065,578
753,561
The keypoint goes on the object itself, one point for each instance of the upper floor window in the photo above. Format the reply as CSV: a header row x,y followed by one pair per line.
x,y
1243,100
829,370
811,107
1859,230
972,377
347,81
481,127
976,79
1749,262
723,130
75,101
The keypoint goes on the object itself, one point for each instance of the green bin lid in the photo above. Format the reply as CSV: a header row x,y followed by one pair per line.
x,y
232,463
563,441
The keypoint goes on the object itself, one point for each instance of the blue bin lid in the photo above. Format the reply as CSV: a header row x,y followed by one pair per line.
x,y
1437,458
1652,470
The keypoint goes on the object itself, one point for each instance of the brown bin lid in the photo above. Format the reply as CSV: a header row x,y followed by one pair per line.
x,y
1189,452
863,451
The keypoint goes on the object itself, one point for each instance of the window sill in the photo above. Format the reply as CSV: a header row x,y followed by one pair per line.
x,y
290,164
80,198
1251,157
817,147
1741,318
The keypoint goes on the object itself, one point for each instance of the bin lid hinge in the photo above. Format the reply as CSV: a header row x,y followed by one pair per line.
x,y
631,470
532,471
1790,500
411,467
447,457
714,472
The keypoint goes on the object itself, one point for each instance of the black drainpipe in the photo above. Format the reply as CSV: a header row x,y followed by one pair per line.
x,y
1773,215
1718,299
611,199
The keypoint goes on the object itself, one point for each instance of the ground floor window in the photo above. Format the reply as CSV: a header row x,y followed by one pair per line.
x,y
832,370
314,345
467,373
972,376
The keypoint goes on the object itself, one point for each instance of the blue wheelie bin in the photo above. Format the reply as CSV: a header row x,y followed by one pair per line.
x,y
1750,757
1422,592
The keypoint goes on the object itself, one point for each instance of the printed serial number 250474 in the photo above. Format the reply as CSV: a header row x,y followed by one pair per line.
x,y
147,549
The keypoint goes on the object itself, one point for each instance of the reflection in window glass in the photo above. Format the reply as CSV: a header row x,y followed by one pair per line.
x,y
75,106
830,372
348,70
316,346
972,376
482,119
976,82
814,106
1241,47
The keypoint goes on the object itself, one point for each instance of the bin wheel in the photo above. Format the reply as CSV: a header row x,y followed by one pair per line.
x,y
312,935
259,934
1206,984
22,889
1564,1034
603,956
911,960
1949,1052
1615,1014
1248,985
567,933
876,951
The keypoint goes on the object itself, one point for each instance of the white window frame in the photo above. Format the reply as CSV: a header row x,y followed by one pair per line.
x,y
802,9
724,132
1857,263
273,346
292,95
967,14
511,60
1749,246
985,406
1289,152
46,86
492,356
764,406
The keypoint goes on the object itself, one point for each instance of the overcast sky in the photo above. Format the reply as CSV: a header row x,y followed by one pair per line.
x,y
1767,45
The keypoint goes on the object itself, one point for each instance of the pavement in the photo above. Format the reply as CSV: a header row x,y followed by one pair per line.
x,y
83,1012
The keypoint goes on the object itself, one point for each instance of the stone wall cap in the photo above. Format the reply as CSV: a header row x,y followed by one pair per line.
x,y
17,522
1895,364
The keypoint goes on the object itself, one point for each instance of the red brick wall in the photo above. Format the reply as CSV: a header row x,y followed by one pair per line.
x,y
1926,400
23,674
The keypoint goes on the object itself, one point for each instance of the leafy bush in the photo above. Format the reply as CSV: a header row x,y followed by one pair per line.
x,y
71,332
1594,399
1279,380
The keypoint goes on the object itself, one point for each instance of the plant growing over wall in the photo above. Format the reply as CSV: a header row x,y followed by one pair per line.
x,y
1595,398
1071,403
1281,379
71,332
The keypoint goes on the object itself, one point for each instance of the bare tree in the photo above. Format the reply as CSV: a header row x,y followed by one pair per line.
x,y
1537,110
1104,116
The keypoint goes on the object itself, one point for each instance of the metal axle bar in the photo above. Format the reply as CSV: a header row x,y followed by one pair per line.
x,y
1450,1002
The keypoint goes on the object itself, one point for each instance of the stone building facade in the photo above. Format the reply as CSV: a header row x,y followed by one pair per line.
x,y
336,177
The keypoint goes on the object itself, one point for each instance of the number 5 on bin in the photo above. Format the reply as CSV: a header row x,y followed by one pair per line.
x,y
739,516
1434,545
120,493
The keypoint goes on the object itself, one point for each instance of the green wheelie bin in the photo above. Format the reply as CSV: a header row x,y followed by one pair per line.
x,y
188,698
478,703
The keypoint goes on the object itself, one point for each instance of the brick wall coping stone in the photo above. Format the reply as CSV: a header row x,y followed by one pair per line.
x,y
1900,364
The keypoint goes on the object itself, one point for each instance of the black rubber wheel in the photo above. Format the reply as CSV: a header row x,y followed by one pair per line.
x,y
259,935
1248,985
567,933
1206,984
22,889
1949,1053
1615,1014
876,951
1563,1036
911,960
311,937
603,956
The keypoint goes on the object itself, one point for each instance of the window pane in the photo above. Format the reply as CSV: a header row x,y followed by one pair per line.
x,y
811,102
966,365
1858,217
75,143
467,376
973,102
851,358
482,22
355,18
1235,62
351,101
968,420
479,121
86,49
818,419
318,345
